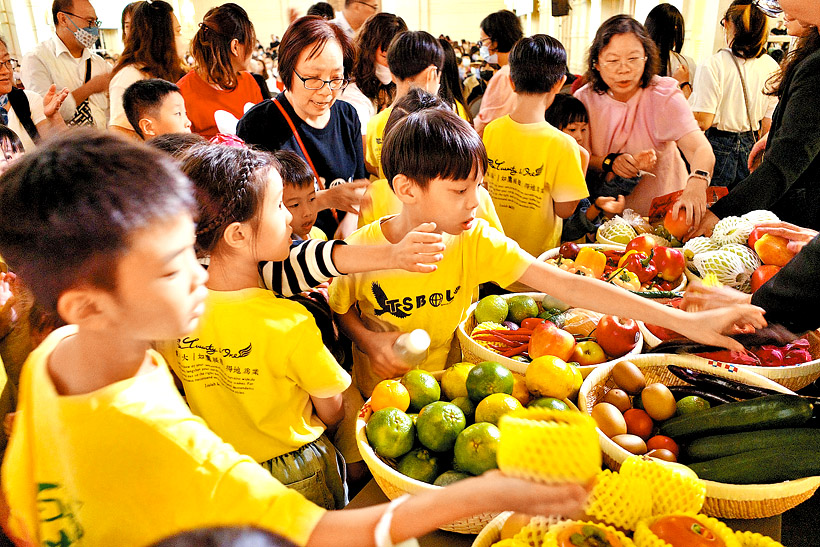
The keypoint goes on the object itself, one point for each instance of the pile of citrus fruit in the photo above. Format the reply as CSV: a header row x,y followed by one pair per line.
x,y
443,432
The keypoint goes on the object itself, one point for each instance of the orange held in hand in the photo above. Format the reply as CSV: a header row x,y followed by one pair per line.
x,y
390,393
773,250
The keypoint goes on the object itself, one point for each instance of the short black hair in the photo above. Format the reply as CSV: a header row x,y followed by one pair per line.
x,y
537,63
430,144
322,9
70,208
60,6
7,135
294,170
143,98
564,110
504,28
176,145
413,51
615,25
415,100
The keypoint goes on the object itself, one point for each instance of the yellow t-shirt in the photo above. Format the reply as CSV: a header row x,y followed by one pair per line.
x,y
128,464
317,233
462,113
396,300
383,202
531,166
375,135
250,368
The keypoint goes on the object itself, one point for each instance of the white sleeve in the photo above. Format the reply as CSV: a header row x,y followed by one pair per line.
x,y
119,83
36,77
363,105
35,104
706,88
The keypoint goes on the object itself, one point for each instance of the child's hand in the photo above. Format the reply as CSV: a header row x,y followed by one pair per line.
x,y
419,250
383,361
647,159
565,499
610,205
707,327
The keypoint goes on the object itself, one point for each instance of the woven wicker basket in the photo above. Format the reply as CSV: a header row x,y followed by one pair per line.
x,y
492,532
553,253
474,352
722,500
394,484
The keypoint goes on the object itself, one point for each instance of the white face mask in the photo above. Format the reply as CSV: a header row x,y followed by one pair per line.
x,y
383,74
485,54
86,36
465,61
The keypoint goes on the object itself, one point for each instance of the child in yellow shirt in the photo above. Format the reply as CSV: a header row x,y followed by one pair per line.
x,y
103,450
435,163
299,196
535,173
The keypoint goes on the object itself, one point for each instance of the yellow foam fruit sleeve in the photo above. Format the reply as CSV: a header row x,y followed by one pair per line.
x,y
675,487
619,500
614,538
644,537
549,446
753,539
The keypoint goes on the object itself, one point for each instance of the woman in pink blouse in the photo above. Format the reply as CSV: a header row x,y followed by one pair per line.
x,y
636,116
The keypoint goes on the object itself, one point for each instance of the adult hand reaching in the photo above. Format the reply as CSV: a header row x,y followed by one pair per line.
x,y
705,227
345,197
798,237
756,155
53,101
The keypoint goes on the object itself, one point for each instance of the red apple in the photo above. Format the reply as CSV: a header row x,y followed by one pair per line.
x,y
588,353
547,339
669,262
643,244
677,226
617,335
762,275
569,250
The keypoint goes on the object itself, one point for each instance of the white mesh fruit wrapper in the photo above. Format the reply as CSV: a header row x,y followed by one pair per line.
x,y
761,215
749,258
732,230
726,265
698,245
618,230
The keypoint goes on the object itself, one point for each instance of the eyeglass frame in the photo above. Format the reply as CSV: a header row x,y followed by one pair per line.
x,y
617,64
345,82
11,64
772,9
93,22
375,7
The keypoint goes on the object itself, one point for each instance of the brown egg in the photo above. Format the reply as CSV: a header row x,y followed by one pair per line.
x,y
628,377
662,454
630,443
658,402
609,419
619,398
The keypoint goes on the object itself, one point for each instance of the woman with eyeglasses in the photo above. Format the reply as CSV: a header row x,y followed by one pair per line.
x,y
787,181
153,49
729,93
315,61
220,89
639,123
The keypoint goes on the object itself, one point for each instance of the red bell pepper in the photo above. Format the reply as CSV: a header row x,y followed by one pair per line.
x,y
642,266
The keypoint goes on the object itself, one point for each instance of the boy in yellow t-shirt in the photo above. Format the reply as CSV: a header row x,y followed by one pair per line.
x,y
299,195
103,449
535,175
415,59
435,162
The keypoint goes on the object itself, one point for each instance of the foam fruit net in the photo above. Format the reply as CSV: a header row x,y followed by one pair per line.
x,y
671,491
549,446
645,538
620,500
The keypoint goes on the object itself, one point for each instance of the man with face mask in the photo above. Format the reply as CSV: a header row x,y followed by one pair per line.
x,y
66,60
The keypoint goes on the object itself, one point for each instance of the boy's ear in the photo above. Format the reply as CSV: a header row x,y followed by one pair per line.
x,y
147,127
86,306
237,235
406,189
558,85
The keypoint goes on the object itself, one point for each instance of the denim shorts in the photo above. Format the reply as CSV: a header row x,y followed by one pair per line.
x,y
317,471
731,156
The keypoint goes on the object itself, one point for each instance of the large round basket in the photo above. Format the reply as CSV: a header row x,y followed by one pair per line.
x,y
553,253
474,352
722,500
492,532
394,484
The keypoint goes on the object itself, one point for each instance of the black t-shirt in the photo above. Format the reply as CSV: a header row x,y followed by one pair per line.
x,y
336,149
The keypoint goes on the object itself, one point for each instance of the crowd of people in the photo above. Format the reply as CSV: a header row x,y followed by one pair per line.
x,y
211,247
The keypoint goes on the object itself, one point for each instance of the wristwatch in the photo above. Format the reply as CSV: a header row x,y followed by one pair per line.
x,y
701,174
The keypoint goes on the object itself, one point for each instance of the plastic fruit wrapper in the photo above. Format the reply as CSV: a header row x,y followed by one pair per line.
x,y
645,537
753,539
675,487
549,446
620,500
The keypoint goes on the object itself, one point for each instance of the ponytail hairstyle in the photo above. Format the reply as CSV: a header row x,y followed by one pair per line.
x,y
377,32
665,26
151,42
751,29
229,184
451,88
211,46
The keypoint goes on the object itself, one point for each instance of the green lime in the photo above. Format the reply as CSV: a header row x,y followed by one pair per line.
x,y
521,307
549,402
487,378
491,308
692,404
439,424
390,432
420,464
476,447
492,407
422,387
449,477
466,406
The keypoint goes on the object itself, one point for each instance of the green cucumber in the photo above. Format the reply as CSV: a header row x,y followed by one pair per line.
x,y
762,466
772,411
718,446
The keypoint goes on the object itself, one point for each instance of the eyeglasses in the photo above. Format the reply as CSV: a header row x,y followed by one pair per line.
x,y
91,22
374,7
10,64
614,64
481,41
315,84
769,7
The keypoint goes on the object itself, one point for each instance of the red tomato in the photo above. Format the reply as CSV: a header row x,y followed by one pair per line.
x,y
762,275
676,226
683,531
531,322
662,441
638,423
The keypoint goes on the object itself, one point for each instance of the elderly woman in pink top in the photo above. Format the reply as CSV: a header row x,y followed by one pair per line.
x,y
639,121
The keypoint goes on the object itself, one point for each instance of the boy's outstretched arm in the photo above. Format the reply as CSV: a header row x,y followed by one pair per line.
x,y
418,251
706,327
423,513
378,346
